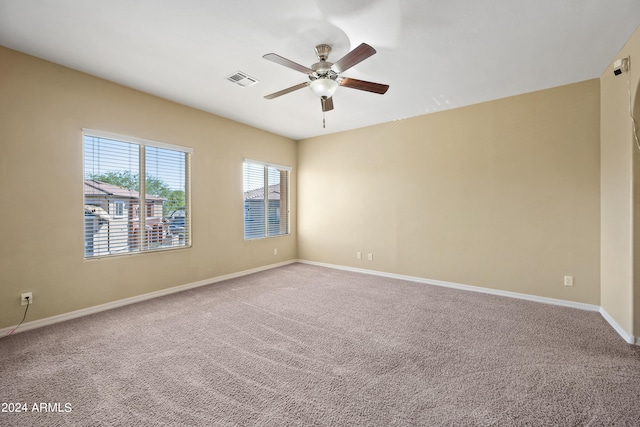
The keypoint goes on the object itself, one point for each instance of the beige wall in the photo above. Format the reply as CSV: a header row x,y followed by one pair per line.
x,y
504,194
43,108
617,171
636,220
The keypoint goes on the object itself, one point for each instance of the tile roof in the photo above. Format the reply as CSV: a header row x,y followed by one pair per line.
x,y
99,188
258,193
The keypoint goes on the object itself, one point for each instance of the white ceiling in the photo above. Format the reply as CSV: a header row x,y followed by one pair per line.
x,y
434,54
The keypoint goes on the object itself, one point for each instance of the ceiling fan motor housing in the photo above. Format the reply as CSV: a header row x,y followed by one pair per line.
x,y
322,51
322,69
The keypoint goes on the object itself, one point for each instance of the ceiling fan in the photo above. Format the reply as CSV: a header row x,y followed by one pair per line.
x,y
324,76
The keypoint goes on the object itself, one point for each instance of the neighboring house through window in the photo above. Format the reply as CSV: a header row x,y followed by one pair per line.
x,y
263,181
123,174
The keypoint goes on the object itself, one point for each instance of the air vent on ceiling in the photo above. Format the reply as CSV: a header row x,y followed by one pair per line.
x,y
242,79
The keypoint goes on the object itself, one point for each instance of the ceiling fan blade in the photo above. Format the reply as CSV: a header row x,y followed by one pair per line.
x,y
327,103
352,58
287,63
364,85
287,90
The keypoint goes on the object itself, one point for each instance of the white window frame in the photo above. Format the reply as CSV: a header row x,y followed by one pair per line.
x,y
142,144
266,166
118,205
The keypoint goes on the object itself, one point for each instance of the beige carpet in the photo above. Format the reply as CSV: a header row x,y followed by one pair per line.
x,y
303,345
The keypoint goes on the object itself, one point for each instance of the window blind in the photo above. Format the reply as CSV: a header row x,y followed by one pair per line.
x,y
266,199
136,195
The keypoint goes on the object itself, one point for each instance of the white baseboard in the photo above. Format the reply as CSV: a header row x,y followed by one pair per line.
x,y
564,303
132,300
630,339
460,286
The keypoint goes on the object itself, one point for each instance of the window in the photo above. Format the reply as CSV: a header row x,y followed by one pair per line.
x,y
271,218
118,209
124,213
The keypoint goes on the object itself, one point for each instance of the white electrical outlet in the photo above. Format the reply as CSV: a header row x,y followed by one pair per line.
x,y
26,298
275,251
568,280
359,255
370,257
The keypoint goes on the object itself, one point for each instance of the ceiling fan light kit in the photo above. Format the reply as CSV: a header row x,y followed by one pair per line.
x,y
324,87
324,76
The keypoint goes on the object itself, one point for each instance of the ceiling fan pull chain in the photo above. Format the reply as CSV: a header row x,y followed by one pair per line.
x,y
323,124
